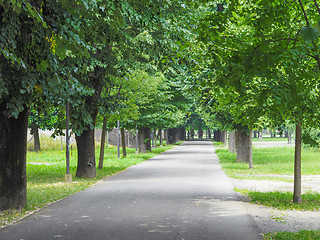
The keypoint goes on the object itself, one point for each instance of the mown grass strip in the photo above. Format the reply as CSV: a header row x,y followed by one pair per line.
x,y
283,200
277,160
301,235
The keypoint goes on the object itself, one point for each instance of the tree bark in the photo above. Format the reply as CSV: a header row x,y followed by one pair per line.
x,y
181,134
200,130
103,142
297,166
209,133
224,137
85,142
233,141
160,136
86,154
144,139
123,143
217,135
244,151
13,148
36,137
192,132
261,136
173,135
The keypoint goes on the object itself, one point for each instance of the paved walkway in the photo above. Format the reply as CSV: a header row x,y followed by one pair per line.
x,y
181,195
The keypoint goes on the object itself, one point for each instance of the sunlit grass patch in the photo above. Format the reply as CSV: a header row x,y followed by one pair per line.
x,y
277,161
283,200
301,235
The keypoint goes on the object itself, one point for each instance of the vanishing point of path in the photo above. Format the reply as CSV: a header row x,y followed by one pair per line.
x,y
181,195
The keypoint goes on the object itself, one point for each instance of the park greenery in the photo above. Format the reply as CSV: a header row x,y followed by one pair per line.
x,y
235,65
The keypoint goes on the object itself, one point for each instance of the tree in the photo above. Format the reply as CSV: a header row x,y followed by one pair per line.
x,y
28,71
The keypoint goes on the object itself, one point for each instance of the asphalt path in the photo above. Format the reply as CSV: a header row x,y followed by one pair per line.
x,y
181,194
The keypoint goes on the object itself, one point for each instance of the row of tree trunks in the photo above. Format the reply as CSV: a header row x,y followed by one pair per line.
x,y
175,135
13,148
220,136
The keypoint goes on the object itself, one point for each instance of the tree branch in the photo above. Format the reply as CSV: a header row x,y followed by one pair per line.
x,y
304,13
317,6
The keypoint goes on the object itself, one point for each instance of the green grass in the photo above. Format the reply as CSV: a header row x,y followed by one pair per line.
x,y
301,235
275,164
270,161
283,200
46,170
271,139
218,144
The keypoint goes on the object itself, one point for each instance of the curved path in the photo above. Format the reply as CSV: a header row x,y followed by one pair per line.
x,y
181,194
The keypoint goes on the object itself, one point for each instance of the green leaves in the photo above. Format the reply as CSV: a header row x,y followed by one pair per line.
x,y
309,33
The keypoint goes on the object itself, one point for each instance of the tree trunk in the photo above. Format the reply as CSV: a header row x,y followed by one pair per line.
x,y
209,133
155,138
86,155
103,142
224,137
13,148
244,152
160,136
123,143
192,132
217,135
261,136
297,166
85,142
200,130
144,139
36,138
173,135
152,139
181,134
233,141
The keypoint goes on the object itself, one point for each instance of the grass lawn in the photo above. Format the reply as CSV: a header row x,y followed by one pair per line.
x,y
271,139
46,170
271,163
301,235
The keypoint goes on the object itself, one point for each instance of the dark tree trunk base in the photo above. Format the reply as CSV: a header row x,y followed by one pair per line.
x,y
144,139
13,147
86,155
